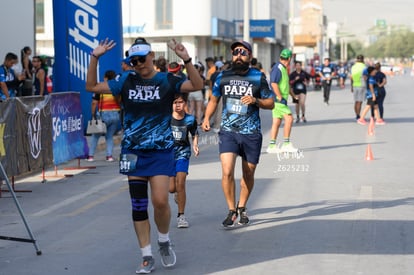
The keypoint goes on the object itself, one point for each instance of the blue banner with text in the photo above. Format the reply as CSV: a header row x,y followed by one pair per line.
x,y
79,25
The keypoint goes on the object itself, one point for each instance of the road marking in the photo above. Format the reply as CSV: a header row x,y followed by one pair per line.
x,y
78,197
96,202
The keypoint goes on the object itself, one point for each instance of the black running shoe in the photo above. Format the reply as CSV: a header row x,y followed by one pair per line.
x,y
230,219
244,220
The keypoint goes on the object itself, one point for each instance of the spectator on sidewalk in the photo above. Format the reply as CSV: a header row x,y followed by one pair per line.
x,y
9,80
27,70
106,107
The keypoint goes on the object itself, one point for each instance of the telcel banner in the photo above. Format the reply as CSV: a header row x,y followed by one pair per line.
x,y
79,25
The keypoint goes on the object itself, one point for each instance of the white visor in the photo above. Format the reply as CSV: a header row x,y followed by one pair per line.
x,y
139,49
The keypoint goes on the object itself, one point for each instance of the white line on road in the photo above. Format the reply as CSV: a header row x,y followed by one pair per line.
x,y
79,197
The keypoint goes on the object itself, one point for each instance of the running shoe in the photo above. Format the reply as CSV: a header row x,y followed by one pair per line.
x,y
109,158
288,147
244,219
380,121
147,265
168,257
361,121
230,219
304,119
182,222
297,120
90,158
273,149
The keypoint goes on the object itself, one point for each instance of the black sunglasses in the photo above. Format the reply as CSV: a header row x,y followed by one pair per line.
x,y
141,59
242,52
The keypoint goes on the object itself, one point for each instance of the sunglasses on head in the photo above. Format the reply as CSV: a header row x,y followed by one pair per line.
x,y
141,59
240,51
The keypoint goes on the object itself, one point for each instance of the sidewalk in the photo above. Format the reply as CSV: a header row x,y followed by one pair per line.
x,y
68,169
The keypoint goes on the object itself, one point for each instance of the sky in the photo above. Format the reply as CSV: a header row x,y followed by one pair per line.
x,y
357,16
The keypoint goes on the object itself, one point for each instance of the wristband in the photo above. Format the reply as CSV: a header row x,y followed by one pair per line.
x,y
187,61
94,55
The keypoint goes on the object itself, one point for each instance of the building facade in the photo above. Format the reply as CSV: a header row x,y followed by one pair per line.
x,y
310,40
206,27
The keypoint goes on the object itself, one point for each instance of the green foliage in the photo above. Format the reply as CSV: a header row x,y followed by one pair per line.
x,y
398,43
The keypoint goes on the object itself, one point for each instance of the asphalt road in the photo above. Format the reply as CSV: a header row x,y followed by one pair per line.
x,y
327,210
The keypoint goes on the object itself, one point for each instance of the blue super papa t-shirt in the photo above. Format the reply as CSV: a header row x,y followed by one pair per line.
x,y
147,105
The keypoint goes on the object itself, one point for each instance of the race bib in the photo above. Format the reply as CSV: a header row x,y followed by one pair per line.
x,y
127,163
299,86
235,106
179,133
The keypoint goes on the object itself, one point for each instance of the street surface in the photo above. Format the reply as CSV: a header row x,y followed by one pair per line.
x,y
324,211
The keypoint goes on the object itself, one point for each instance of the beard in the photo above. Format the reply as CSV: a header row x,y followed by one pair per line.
x,y
239,66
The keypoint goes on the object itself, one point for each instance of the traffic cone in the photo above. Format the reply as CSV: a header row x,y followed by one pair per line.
x,y
368,153
371,127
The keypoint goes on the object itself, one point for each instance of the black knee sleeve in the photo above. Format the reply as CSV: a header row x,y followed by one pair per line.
x,y
138,191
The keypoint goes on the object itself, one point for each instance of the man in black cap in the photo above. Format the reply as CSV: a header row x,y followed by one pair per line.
x,y
243,91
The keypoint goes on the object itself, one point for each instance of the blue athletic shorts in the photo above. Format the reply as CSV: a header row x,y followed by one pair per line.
x,y
182,165
152,162
247,146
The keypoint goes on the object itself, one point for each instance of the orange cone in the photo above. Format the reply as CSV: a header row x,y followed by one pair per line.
x,y
371,127
368,153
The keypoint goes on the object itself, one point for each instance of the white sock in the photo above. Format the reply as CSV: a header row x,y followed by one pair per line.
x,y
146,251
162,238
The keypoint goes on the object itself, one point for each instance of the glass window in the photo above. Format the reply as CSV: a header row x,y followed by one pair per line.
x,y
40,16
163,15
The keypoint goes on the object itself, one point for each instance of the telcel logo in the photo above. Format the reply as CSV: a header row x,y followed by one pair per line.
x,y
85,31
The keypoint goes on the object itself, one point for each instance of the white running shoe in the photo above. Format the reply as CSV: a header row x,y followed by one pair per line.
x,y
273,149
288,147
182,222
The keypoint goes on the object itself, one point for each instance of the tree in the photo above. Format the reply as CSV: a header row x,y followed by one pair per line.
x,y
398,43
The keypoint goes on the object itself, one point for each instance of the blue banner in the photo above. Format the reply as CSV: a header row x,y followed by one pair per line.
x,y
262,28
69,141
79,25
